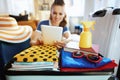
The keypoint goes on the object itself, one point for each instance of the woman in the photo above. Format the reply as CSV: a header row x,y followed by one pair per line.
x,y
57,18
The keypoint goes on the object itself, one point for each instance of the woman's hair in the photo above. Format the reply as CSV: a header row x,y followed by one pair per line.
x,y
60,3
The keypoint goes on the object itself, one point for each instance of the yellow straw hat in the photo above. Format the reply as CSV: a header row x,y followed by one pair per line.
x,y
11,32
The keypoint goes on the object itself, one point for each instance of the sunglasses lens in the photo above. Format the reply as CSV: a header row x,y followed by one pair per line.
x,y
78,54
93,57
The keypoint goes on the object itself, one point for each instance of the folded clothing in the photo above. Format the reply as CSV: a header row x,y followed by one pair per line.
x,y
40,53
68,61
108,66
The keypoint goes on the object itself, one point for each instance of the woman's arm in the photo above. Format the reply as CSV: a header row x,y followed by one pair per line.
x,y
36,38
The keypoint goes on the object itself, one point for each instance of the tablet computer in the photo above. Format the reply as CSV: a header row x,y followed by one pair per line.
x,y
51,34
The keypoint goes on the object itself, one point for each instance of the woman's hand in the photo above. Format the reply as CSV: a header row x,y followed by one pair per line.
x,y
62,43
59,44
36,38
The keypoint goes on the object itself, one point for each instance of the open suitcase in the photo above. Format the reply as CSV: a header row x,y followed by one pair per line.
x,y
57,75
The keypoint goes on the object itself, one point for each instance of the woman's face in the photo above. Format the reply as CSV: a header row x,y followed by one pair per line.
x,y
57,13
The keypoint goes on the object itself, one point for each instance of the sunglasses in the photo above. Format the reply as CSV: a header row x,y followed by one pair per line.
x,y
92,57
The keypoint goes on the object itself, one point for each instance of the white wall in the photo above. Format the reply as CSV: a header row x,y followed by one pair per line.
x,y
89,7
3,7
16,6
